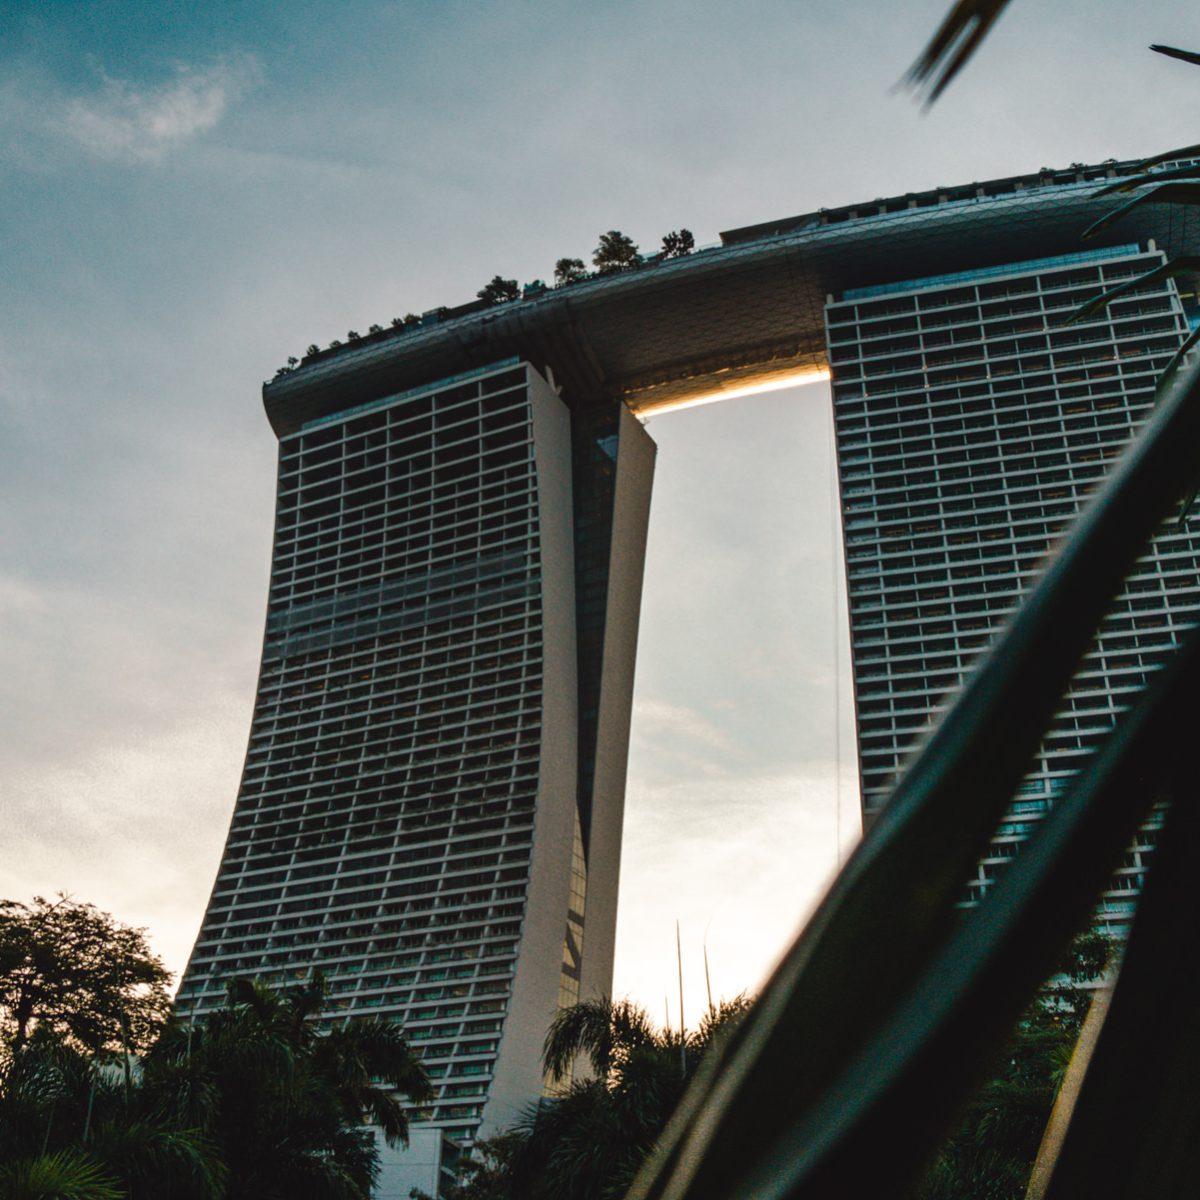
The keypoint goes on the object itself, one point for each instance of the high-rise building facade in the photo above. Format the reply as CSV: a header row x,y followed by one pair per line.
x,y
431,806
972,422
430,810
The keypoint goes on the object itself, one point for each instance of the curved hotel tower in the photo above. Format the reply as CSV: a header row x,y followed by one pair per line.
x,y
431,806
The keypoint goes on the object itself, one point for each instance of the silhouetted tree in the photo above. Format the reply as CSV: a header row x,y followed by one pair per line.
x,y
678,243
250,1102
283,1103
569,270
75,975
499,291
486,1174
78,1124
587,1142
616,252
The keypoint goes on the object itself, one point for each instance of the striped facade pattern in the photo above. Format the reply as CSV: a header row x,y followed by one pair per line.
x,y
384,829
971,425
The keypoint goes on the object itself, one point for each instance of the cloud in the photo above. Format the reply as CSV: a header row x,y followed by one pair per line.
x,y
658,719
18,597
125,123
739,862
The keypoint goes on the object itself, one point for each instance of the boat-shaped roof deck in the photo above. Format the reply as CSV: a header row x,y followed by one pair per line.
x,y
731,318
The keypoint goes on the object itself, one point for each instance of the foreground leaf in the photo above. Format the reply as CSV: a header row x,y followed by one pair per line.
x,y
1177,266
1183,55
958,37
1167,193
1131,182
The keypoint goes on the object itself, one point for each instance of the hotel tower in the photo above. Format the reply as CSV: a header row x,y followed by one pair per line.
x,y
430,811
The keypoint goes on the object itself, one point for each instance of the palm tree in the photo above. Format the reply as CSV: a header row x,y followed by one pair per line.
x,y
72,1126
285,1104
587,1141
64,1175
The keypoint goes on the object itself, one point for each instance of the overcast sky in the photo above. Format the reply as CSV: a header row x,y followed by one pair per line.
x,y
191,193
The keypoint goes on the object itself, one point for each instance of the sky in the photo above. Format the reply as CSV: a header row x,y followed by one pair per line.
x,y
191,193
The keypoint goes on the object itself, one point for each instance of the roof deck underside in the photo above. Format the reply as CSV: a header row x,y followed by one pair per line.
x,y
725,319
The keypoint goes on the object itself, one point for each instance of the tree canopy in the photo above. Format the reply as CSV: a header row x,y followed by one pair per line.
x,y
76,975
569,270
991,1153
616,252
103,1096
285,1104
499,291
249,1103
586,1140
678,243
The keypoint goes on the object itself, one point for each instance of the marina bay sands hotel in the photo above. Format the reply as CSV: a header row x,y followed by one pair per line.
x,y
432,799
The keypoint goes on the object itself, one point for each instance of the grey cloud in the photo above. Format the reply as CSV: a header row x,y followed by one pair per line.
x,y
121,121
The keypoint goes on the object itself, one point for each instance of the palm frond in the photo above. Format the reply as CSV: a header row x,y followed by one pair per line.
x,y
1187,56
157,1159
1172,368
1164,382
720,1021
565,1145
1167,193
67,1175
958,37
304,1002
631,1026
1130,182
1169,156
1177,266
317,1177
584,1028
384,1110
352,1056
257,997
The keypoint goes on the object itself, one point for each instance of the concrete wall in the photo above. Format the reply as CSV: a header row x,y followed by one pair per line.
x,y
636,453
417,1165
518,1077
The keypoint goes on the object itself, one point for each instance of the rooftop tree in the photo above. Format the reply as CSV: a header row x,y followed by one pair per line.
x,y
499,291
569,270
616,252
678,243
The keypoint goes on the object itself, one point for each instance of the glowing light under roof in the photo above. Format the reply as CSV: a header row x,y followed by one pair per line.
x,y
649,407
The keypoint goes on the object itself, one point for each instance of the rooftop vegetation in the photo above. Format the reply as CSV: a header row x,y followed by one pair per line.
x,y
615,253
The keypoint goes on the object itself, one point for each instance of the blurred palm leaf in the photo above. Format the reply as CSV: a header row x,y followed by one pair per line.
x,y
1177,266
1182,55
1167,193
1169,371
1130,182
1164,381
956,40
1168,156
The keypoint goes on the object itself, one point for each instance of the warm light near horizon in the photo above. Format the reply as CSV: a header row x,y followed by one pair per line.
x,y
753,387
